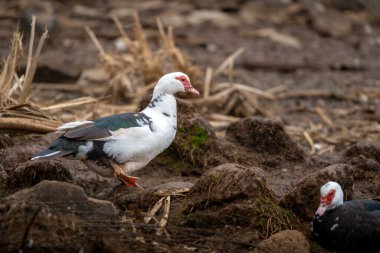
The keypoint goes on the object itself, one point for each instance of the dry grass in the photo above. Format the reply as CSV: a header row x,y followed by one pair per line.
x,y
17,112
135,72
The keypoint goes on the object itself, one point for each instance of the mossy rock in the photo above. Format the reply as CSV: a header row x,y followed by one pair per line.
x,y
234,195
265,136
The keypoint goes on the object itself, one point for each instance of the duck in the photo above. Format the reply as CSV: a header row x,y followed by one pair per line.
x,y
120,144
346,226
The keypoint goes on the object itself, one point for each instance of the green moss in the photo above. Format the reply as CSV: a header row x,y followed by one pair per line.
x,y
271,218
191,140
217,177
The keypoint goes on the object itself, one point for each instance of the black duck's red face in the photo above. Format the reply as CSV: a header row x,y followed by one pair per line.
x,y
325,202
328,198
187,85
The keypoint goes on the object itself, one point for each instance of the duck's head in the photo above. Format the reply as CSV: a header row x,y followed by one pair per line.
x,y
331,197
175,82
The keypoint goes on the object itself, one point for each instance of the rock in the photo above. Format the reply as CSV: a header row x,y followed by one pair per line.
x,y
232,195
199,17
303,199
47,216
12,157
365,149
332,23
33,172
228,182
266,11
365,157
264,136
287,241
62,196
354,5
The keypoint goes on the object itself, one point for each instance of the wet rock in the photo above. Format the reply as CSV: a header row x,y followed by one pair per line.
x,y
65,197
332,23
33,172
365,157
287,241
303,199
264,136
49,215
215,17
10,158
228,182
232,195
266,11
355,5
31,228
365,149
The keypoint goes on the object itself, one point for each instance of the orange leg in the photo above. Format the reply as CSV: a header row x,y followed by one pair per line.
x,y
128,181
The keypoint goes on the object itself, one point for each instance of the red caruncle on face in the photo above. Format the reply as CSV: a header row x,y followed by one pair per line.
x,y
185,81
328,198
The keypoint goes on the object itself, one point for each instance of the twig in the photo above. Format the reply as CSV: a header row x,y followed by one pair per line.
x,y
323,115
208,79
310,141
244,87
95,40
222,117
227,61
154,210
32,62
165,216
128,41
31,125
70,103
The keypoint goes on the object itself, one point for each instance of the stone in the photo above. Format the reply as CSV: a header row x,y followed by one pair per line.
x,y
215,17
33,172
235,196
264,136
303,199
287,241
62,197
331,23
365,149
55,216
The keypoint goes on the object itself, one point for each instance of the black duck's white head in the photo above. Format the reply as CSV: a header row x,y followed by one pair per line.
x,y
174,82
331,197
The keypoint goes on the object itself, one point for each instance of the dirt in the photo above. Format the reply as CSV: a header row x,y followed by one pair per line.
x,y
248,184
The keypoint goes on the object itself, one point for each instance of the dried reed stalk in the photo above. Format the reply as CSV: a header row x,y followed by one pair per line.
x,y
9,71
31,62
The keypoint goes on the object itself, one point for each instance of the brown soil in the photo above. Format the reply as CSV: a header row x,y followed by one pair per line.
x,y
247,181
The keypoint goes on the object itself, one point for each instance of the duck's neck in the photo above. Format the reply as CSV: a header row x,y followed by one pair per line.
x,y
163,102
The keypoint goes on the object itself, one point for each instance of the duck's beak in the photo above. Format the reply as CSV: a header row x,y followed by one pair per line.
x,y
321,209
192,90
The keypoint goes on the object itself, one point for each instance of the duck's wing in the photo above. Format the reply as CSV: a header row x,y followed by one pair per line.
x,y
104,128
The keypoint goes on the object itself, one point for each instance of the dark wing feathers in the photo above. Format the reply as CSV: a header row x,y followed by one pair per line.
x,y
364,204
101,127
88,131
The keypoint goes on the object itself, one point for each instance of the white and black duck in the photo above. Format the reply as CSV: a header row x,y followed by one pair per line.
x,y
123,143
350,226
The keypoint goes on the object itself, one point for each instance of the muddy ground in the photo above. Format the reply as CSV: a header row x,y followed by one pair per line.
x,y
233,187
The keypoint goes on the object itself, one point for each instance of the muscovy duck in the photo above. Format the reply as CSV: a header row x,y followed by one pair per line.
x,y
350,226
123,143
